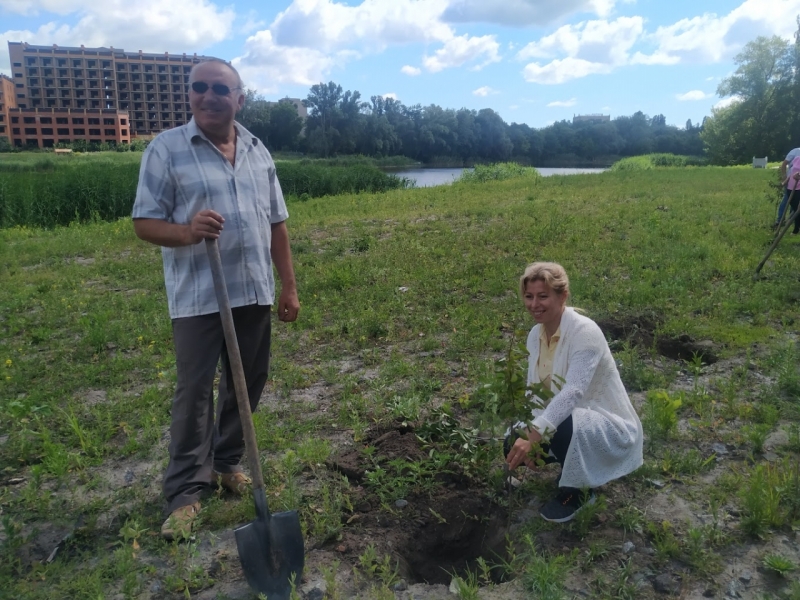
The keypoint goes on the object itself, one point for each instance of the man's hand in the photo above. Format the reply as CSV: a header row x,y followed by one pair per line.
x,y
520,451
205,225
288,305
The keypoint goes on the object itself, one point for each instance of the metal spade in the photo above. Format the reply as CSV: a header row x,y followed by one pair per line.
x,y
271,547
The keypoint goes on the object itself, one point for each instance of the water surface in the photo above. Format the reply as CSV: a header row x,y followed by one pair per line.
x,y
431,177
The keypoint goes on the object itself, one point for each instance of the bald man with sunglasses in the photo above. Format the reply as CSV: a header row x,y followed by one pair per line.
x,y
213,179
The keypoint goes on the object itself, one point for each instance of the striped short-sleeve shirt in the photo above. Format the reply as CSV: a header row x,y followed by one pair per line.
x,y
182,173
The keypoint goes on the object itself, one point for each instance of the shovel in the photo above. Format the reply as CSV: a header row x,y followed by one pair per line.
x,y
271,547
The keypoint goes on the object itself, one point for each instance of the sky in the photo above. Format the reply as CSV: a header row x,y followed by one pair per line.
x,y
532,61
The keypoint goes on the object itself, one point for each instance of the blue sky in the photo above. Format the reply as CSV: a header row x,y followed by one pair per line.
x,y
533,61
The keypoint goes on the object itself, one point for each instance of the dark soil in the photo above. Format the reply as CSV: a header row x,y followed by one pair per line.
x,y
436,534
640,331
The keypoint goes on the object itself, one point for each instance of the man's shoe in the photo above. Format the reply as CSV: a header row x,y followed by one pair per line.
x,y
236,483
566,504
178,525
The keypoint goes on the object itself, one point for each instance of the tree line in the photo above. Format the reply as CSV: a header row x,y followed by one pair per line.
x,y
763,118
341,123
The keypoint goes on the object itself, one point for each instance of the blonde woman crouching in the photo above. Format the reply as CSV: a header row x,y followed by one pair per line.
x,y
590,426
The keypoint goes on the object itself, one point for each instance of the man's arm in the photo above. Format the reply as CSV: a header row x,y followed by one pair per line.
x,y
205,224
288,303
784,164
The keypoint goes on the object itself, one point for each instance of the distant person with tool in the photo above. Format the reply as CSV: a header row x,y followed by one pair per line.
x,y
793,191
794,153
213,179
589,426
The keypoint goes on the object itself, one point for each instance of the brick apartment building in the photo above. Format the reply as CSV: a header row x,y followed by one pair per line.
x,y
61,94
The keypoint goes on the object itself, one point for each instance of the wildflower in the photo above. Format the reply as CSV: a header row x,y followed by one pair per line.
x,y
8,362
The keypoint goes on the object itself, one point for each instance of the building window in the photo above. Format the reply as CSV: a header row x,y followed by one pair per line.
x,y
94,132
124,132
15,119
123,121
30,131
20,85
108,121
63,131
79,131
94,121
15,131
45,120
29,119
111,132
3,129
77,120
47,131
62,121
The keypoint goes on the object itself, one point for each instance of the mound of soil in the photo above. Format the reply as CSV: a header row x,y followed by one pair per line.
x,y
640,331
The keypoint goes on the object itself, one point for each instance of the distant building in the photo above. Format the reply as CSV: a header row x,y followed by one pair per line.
x,y
298,103
7,100
94,94
593,118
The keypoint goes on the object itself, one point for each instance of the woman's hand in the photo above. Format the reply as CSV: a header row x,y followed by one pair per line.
x,y
520,451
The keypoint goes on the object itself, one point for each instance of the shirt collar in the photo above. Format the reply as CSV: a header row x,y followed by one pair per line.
x,y
556,336
241,133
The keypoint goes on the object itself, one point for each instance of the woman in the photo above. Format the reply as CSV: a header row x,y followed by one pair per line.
x,y
589,426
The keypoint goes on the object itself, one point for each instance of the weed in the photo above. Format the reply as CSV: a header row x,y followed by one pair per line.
x,y
757,435
466,587
631,519
690,462
793,437
544,575
379,567
661,414
596,550
779,564
637,374
586,516
332,591
664,540
620,586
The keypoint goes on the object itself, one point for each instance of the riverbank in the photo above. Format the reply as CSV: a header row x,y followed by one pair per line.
x,y
371,424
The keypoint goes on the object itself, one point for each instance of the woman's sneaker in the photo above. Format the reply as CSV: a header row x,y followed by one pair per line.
x,y
566,504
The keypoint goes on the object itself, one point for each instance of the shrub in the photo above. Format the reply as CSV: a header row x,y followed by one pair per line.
x,y
498,171
651,161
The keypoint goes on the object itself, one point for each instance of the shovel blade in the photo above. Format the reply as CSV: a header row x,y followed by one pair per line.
x,y
271,552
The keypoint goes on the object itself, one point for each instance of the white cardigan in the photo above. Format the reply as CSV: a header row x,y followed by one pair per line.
x,y
607,435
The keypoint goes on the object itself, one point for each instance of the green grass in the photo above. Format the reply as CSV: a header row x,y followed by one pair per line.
x,y
417,288
651,161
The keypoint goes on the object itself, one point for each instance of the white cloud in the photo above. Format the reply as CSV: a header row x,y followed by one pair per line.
x,y
559,71
391,95
411,71
265,65
725,102
519,13
371,25
595,41
710,78
484,91
711,38
570,102
513,107
580,50
149,25
693,95
461,50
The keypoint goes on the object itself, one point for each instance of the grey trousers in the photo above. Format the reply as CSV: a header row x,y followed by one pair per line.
x,y
202,442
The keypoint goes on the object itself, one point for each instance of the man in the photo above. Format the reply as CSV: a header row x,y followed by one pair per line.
x,y
212,179
794,153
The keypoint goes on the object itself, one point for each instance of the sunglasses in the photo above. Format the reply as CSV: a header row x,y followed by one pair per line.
x,y
201,87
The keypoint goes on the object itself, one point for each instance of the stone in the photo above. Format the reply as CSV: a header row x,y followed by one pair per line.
x,y
719,449
400,503
709,593
667,584
314,590
746,577
656,483
155,587
628,547
734,589
129,477
400,586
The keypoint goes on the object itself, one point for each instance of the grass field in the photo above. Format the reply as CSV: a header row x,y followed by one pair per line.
x,y
408,297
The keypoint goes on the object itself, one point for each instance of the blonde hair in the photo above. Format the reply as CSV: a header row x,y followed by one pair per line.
x,y
551,273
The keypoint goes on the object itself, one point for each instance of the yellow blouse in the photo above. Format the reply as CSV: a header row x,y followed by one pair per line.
x,y
546,353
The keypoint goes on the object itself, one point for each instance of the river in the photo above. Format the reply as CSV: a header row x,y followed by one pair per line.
x,y
431,177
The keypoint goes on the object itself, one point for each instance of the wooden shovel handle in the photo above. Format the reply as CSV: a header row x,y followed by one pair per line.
x,y
235,358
